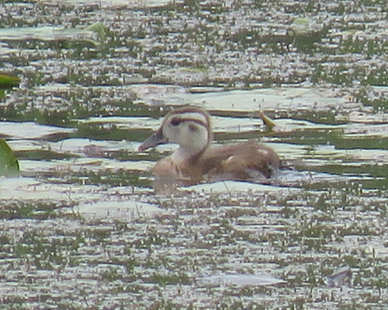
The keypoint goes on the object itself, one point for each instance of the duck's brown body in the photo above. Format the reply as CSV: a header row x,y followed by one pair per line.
x,y
195,161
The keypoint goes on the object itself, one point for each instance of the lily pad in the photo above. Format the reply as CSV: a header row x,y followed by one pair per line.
x,y
118,209
51,33
243,279
98,28
340,277
9,165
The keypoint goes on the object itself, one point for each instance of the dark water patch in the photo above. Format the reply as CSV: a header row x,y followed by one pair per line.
x,y
39,210
42,155
119,177
377,143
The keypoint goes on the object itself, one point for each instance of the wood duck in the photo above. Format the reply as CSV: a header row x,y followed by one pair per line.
x,y
195,161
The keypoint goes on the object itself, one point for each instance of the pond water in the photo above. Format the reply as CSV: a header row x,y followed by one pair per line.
x,y
82,225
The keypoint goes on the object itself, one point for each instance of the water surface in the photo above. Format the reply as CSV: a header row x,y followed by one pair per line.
x,y
83,228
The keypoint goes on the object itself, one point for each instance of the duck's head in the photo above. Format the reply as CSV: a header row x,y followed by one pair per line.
x,y
188,127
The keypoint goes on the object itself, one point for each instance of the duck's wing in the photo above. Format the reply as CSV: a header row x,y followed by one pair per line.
x,y
243,161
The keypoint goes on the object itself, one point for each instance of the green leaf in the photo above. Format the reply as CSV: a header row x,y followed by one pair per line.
x,y
98,28
7,81
9,164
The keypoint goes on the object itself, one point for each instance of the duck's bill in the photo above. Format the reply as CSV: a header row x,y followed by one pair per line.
x,y
154,140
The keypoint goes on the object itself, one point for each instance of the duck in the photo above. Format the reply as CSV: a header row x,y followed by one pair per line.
x,y
195,160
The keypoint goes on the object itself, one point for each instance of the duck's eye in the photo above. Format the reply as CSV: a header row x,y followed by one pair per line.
x,y
175,121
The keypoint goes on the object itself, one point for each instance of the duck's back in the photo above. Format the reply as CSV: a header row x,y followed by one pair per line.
x,y
243,161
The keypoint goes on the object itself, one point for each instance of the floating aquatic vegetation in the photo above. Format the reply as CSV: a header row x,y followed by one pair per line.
x,y
242,279
83,220
9,164
267,121
7,81
340,277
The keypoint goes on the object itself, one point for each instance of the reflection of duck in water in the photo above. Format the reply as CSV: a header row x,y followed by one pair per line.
x,y
194,161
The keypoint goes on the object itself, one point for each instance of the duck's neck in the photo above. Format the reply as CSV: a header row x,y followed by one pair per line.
x,y
192,155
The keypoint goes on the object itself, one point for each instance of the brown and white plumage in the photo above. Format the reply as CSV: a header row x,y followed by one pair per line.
x,y
195,161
